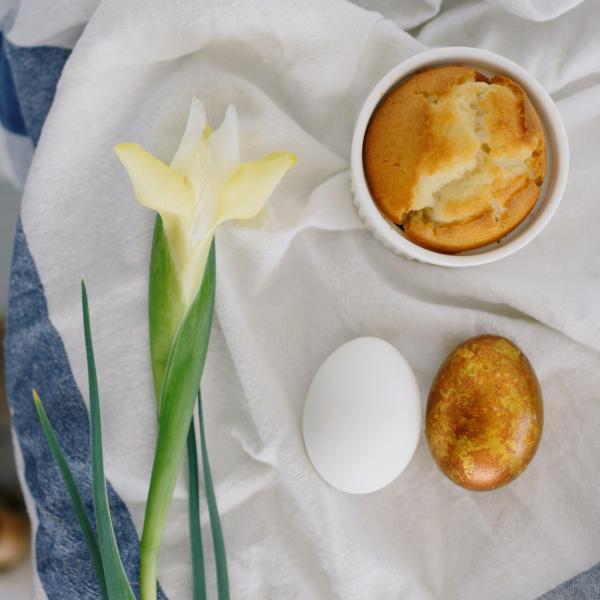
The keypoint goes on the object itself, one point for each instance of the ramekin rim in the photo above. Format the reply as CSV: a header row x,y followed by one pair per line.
x,y
553,124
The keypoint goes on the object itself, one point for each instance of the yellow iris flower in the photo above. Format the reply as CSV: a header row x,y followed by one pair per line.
x,y
204,186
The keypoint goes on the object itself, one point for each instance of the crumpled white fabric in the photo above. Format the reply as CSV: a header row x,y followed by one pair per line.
x,y
291,291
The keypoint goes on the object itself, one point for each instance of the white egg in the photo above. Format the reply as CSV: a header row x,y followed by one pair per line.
x,y
362,417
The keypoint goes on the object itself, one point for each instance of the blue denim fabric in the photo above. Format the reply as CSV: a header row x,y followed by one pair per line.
x,y
585,586
35,357
35,72
10,109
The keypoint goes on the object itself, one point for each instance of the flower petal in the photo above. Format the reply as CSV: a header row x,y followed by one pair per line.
x,y
192,161
248,189
192,270
225,147
222,150
156,185
196,124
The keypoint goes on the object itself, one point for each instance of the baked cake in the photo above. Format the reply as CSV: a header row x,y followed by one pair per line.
x,y
455,158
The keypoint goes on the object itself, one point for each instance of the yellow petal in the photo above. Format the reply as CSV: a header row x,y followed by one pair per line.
x,y
192,270
155,184
248,189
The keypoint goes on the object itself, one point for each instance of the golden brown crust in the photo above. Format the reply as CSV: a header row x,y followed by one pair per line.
x,y
485,227
456,159
484,413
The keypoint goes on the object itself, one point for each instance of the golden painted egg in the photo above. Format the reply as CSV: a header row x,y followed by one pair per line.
x,y
484,413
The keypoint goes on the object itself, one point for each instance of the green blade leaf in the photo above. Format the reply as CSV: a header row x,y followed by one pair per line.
x,y
199,584
178,396
117,583
165,306
76,501
213,511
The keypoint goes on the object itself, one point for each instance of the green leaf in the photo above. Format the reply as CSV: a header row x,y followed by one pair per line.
x,y
213,511
165,310
76,501
165,305
117,583
178,396
199,584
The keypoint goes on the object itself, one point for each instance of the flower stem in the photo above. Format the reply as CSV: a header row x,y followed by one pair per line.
x,y
198,576
213,511
148,563
182,376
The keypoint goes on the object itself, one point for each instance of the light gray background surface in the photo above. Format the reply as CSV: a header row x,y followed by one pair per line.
x,y
14,584
9,210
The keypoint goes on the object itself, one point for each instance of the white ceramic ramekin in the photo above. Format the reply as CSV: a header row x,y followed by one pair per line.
x,y
557,148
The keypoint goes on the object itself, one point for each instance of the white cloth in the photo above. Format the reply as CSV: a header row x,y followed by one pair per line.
x,y
291,291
